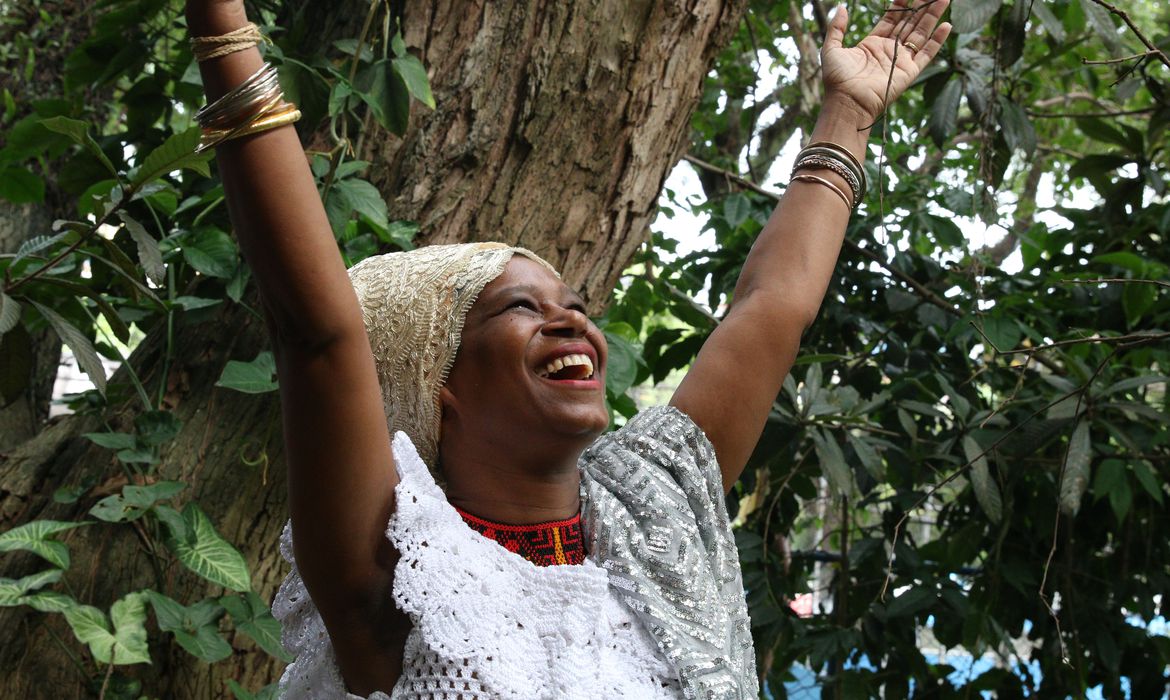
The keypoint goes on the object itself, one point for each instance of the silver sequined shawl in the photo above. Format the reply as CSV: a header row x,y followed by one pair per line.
x,y
655,518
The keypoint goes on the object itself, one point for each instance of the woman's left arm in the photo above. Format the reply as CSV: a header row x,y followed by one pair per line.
x,y
730,388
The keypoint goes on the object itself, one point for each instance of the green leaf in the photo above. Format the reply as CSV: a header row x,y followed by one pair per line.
x,y
1145,476
622,365
870,459
986,490
117,325
126,644
944,113
82,347
9,313
1017,127
49,602
414,75
156,427
1076,469
1003,332
176,153
1136,300
20,186
1102,22
211,252
1111,481
79,132
970,16
363,198
34,537
832,461
204,552
148,251
382,88
736,209
255,377
13,591
911,602
195,628
251,616
133,502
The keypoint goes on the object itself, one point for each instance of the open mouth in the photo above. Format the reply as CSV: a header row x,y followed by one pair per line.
x,y
568,367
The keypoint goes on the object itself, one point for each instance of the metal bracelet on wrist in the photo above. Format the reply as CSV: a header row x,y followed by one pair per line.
x,y
833,164
257,94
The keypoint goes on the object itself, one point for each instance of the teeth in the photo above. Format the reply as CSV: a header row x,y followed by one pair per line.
x,y
567,361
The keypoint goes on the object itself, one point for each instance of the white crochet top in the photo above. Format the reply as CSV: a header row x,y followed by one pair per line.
x,y
487,623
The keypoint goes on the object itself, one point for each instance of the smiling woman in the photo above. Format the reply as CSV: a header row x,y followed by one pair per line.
x,y
484,368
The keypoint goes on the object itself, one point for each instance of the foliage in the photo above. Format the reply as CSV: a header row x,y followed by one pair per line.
x,y
965,459
958,447
147,246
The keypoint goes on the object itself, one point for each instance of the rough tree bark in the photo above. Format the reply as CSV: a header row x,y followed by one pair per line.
x,y
557,123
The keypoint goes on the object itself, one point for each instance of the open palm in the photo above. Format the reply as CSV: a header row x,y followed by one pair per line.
x,y
879,68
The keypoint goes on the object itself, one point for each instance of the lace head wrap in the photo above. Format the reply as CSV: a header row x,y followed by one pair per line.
x,y
414,305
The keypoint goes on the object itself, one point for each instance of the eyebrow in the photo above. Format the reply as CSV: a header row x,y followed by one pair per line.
x,y
532,289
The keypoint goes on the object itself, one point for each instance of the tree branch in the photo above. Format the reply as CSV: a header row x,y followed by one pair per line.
x,y
1153,50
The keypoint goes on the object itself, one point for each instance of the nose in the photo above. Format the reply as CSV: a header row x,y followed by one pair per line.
x,y
565,323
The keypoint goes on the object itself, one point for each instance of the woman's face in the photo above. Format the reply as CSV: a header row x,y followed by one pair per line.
x,y
530,366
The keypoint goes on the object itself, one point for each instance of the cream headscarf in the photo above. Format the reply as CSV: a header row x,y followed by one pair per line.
x,y
414,305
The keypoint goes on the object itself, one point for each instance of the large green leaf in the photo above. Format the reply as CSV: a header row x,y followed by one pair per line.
x,y
34,537
126,644
176,153
363,198
9,313
944,114
201,549
212,252
82,346
20,186
414,75
13,591
1076,469
986,490
832,461
148,251
255,377
251,616
79,132
133,502
972,15
383,89
195,628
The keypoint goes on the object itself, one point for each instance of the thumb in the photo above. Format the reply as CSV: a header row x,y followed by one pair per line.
x,y
836,32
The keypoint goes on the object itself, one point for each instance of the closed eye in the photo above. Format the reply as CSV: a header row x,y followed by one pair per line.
x,y
522,304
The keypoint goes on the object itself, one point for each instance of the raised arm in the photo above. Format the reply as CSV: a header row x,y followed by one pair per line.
x,y
340,468
739,371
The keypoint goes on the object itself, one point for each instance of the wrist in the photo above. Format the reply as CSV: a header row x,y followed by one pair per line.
x,y
215,18
843,122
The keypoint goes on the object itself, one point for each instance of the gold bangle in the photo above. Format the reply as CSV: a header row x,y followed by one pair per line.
x,y
826,183
285,115
209,47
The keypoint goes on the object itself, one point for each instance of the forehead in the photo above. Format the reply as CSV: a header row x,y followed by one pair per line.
x,y
521,272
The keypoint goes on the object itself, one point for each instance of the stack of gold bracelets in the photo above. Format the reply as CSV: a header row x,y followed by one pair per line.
x,y
253,106
830,156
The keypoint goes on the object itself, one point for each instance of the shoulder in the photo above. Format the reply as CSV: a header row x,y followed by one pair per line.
x,y
660,439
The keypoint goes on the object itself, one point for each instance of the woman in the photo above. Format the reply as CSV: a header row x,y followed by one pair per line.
x,y
425,607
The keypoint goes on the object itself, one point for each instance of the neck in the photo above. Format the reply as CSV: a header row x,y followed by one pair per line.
x,y
510,487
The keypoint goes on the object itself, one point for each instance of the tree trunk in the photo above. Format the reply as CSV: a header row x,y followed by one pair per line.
x,y
555,128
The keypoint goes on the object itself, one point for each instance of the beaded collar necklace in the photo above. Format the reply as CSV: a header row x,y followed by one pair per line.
x,y
543,544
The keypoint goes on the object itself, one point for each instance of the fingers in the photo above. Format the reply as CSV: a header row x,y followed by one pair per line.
x,y
836,31
920,24
895,15
928,52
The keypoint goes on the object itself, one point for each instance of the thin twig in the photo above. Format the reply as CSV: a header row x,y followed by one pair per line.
x,y
1123,59
737,179
1074,115
1118,280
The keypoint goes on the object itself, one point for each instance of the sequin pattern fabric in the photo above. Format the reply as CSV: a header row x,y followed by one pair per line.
x,y
656,520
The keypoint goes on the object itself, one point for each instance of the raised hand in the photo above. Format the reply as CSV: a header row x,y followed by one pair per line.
x,y
906,39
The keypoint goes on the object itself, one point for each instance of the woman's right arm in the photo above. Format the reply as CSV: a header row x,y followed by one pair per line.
x,y
340,467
